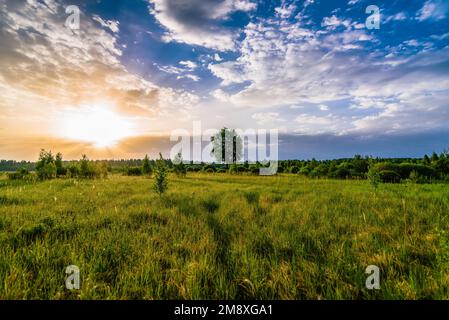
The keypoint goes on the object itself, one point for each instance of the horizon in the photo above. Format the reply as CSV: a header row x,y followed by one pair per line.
x,y
115,80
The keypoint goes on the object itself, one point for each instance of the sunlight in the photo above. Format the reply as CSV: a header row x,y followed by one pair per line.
x,y
97,124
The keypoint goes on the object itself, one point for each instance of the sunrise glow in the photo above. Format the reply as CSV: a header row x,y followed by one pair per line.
x,y
98,124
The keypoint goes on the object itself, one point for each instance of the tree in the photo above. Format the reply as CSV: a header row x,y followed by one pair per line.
x,y
373,177
60,170
178,166
85,171
160,176
45,166
227,146
146,167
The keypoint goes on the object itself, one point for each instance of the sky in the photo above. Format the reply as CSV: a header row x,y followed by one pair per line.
x,y
136,71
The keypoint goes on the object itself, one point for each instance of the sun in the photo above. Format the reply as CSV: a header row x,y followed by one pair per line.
x,y
98,124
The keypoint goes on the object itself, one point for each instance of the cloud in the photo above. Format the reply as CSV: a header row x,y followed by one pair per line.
x,y
400,16
333,22
266,117
312,124
198,22
285,11
112,25
433,10
189,64
189,76
45,67
285,63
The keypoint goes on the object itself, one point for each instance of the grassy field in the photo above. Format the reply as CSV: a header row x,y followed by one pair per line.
x,y
223,237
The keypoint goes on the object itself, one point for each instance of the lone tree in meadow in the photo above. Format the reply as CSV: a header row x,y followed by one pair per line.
x,y
160,176
227,146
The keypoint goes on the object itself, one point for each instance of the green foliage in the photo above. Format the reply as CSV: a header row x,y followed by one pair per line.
x,y
160,176
91,170
294,169
134,171
73,171
179,167
374,177
21,174
45,166
146,166
389,176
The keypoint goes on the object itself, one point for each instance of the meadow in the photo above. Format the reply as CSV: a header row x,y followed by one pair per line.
x,y
222,236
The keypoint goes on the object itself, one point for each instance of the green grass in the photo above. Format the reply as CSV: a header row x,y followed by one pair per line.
x,y
223,237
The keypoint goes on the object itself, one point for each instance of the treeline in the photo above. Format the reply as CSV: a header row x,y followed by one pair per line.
x,y
51,166
425,170
11,165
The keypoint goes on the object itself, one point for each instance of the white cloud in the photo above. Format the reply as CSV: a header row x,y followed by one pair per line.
x,y
285,11
266,117
190,76
50,66
333,22
112,25
189,64
400,16
287,64
311,124
220,95
434,10
196,21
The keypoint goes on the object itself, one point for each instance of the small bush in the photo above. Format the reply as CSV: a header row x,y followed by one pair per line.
x,y
133,171
294,169
389,176
160,176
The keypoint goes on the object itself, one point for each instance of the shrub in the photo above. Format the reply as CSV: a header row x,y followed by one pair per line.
x,y
208,169
233,169
389,176
21,174
373,177
73,171
179,167
61,171
146,167
405,169
294,169
45,166
160,176
340,173
133,171
91,170
415,177
255,170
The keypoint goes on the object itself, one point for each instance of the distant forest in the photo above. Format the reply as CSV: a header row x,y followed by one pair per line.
x,y
427,169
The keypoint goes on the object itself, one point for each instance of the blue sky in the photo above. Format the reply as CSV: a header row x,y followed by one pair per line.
x,y
311,68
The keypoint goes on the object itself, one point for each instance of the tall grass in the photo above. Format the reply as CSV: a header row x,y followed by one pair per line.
x,y
223,237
